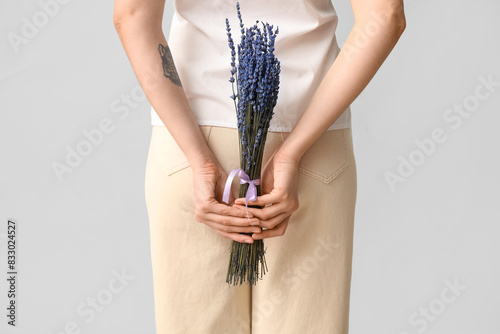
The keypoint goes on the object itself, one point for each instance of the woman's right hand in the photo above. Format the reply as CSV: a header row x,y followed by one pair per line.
x,y
209,180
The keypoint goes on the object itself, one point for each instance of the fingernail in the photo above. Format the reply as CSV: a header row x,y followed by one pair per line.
x,y
248,241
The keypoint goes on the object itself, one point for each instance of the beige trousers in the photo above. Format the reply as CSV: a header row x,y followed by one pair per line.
x,y
307,287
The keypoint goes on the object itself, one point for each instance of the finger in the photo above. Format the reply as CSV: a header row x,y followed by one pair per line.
x,y
230,221
243,238
275,221
233,229
231,197
263,200
268,212
278,231
226,210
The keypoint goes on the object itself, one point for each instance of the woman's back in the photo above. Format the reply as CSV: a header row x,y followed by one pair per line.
x,y
306,47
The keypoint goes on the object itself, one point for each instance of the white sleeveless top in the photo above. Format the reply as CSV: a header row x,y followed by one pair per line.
x,y
306,47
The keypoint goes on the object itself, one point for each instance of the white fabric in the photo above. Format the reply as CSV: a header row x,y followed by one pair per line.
x,y
306,47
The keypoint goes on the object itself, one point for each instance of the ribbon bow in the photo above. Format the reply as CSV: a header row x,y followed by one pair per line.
x,y
244,178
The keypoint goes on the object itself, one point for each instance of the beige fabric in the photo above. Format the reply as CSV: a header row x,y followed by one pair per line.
x,y
307,287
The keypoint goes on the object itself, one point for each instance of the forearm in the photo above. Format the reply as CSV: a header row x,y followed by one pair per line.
x,y
141,34
352,70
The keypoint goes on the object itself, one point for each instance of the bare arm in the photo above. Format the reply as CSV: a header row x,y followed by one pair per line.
x,y
383,21
138,23
378,26
139,26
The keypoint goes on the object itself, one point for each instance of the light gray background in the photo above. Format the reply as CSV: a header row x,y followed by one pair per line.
x,y
437,228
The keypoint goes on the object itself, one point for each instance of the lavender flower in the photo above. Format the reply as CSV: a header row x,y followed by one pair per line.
x,y
256,77
257,84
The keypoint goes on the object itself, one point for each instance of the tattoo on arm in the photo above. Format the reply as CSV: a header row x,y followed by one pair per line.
x,y
169,70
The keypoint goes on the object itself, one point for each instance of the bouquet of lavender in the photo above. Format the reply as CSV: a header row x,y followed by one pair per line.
x,y
257,86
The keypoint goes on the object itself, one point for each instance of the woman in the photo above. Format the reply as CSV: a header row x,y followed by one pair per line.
x,y
309,174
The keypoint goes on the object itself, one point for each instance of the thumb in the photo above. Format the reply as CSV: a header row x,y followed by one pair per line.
x,y
232,198
222,187
266,199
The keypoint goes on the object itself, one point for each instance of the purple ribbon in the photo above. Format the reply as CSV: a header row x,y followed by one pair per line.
x,y
244,178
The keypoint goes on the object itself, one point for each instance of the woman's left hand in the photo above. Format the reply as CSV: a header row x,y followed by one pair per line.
x,y
279,200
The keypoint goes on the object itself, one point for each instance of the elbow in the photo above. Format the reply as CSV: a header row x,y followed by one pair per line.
x,y
117,21
137,16
400,24
117,24
396,29
121,15
394,19
388,20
